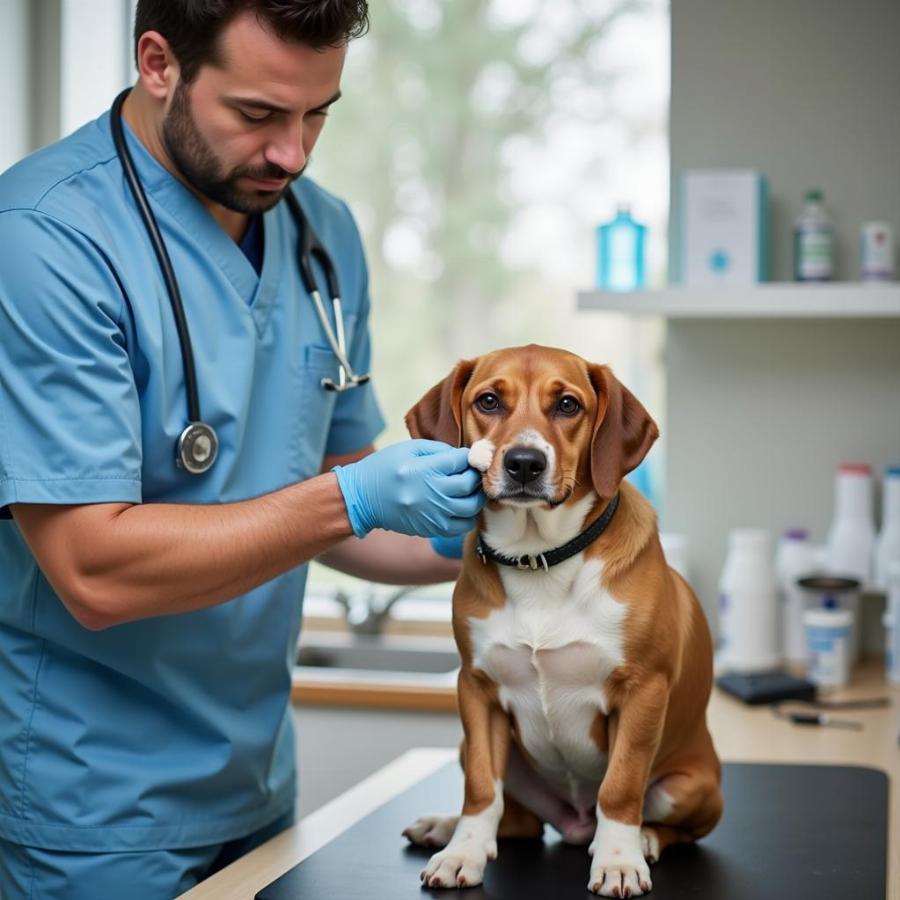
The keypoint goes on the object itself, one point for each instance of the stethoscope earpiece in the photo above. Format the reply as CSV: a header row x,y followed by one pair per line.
x,y
198,445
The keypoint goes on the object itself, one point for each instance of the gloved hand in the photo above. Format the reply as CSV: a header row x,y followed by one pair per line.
x,y
449,547
418,487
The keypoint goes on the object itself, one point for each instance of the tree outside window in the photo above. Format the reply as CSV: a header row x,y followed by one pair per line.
x,y
479,145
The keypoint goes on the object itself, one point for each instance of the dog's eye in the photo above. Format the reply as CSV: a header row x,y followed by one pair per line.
x,y
488,402
567,405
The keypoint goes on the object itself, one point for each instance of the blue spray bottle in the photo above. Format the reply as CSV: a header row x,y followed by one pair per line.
x,y
620,253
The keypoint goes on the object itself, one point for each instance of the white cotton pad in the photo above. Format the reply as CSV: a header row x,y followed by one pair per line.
x,y
481,453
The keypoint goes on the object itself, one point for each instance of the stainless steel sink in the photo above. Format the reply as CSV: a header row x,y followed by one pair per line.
x,y
394,655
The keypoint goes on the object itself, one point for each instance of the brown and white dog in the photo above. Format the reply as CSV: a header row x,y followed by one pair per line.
x,y
584,684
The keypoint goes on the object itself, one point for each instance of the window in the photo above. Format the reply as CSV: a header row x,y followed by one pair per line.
x,y
95,58
479,145
13,79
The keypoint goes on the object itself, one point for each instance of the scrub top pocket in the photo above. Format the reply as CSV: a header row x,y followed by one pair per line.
x,y
313,409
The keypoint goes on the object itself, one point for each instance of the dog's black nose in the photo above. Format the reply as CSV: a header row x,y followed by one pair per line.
x,y
524,464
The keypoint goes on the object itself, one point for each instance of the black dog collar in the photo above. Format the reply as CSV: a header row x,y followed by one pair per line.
x,y
533,562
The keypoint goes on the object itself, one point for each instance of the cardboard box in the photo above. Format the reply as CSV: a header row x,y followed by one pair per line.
x,y
724,227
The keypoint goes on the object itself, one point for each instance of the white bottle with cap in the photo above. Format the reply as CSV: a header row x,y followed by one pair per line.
x,y
794,558
851,538
887,620
892,617
887,545
748,604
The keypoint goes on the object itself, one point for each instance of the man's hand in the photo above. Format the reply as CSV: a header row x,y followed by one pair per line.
x,y
416,487
449,547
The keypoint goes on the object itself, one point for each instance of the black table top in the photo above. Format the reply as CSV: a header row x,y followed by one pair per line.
x,y
793,831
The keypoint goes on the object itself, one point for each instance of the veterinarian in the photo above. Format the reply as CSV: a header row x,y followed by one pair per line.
x,y
168,481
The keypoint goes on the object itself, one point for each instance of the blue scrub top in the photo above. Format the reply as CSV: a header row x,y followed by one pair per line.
x,y
171,731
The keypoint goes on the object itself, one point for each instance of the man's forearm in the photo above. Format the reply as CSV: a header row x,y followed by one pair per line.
x,y
118,563
391,558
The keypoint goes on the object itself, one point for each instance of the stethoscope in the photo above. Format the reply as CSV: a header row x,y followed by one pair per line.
x,y
198,444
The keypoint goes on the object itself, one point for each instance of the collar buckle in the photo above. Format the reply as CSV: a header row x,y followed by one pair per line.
x,y
530,563
479,550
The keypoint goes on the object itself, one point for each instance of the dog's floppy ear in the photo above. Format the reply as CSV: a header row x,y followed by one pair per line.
x,y
623,431
438,415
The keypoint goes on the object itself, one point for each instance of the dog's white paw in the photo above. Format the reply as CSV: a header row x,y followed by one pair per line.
x,y
461,864
431,831
619,878
618,867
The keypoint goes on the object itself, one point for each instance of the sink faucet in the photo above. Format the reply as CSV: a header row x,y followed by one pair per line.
x,y
364,613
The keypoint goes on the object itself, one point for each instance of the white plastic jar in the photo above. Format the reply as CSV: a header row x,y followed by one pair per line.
x,y
828,635
748,605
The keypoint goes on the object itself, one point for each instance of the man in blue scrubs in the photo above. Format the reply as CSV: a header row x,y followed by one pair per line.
x,y
148,616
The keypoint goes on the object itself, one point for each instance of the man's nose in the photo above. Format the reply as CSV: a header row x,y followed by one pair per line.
x,y
288,154
524,464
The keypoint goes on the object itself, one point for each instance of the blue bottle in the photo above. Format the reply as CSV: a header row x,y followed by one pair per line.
x,y
620,253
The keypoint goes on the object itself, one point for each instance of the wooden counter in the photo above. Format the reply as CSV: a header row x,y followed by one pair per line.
x,y
374,694
741,734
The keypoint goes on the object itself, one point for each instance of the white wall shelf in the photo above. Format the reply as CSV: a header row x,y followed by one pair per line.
x,y
837,300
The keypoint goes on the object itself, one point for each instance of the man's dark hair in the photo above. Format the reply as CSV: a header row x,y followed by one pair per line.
x,y
192,27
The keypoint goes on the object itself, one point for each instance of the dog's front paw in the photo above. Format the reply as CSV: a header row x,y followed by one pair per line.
x,y
431,831
616,876
461,864
618,867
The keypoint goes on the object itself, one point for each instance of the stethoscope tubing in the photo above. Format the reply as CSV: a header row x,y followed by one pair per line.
x,y
162,255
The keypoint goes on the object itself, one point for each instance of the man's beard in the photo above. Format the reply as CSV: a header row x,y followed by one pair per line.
x,y
199,166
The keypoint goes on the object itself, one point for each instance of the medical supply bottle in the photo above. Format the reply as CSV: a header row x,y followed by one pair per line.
x,y
748,604
892,623
851,537
828,639
794,558
876,252
620,253
813,241
887,544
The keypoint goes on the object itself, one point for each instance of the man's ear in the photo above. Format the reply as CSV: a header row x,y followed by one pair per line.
x,y
623,431
438,415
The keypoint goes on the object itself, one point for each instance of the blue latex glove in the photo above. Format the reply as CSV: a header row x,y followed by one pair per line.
x,y
419,487
449,547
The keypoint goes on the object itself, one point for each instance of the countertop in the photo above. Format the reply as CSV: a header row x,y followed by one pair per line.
x,y
741,734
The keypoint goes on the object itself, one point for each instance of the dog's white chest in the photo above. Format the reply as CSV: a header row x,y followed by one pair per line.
x,y
550,650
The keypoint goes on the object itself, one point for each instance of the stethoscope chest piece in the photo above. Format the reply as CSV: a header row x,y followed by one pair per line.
x,y
198,448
